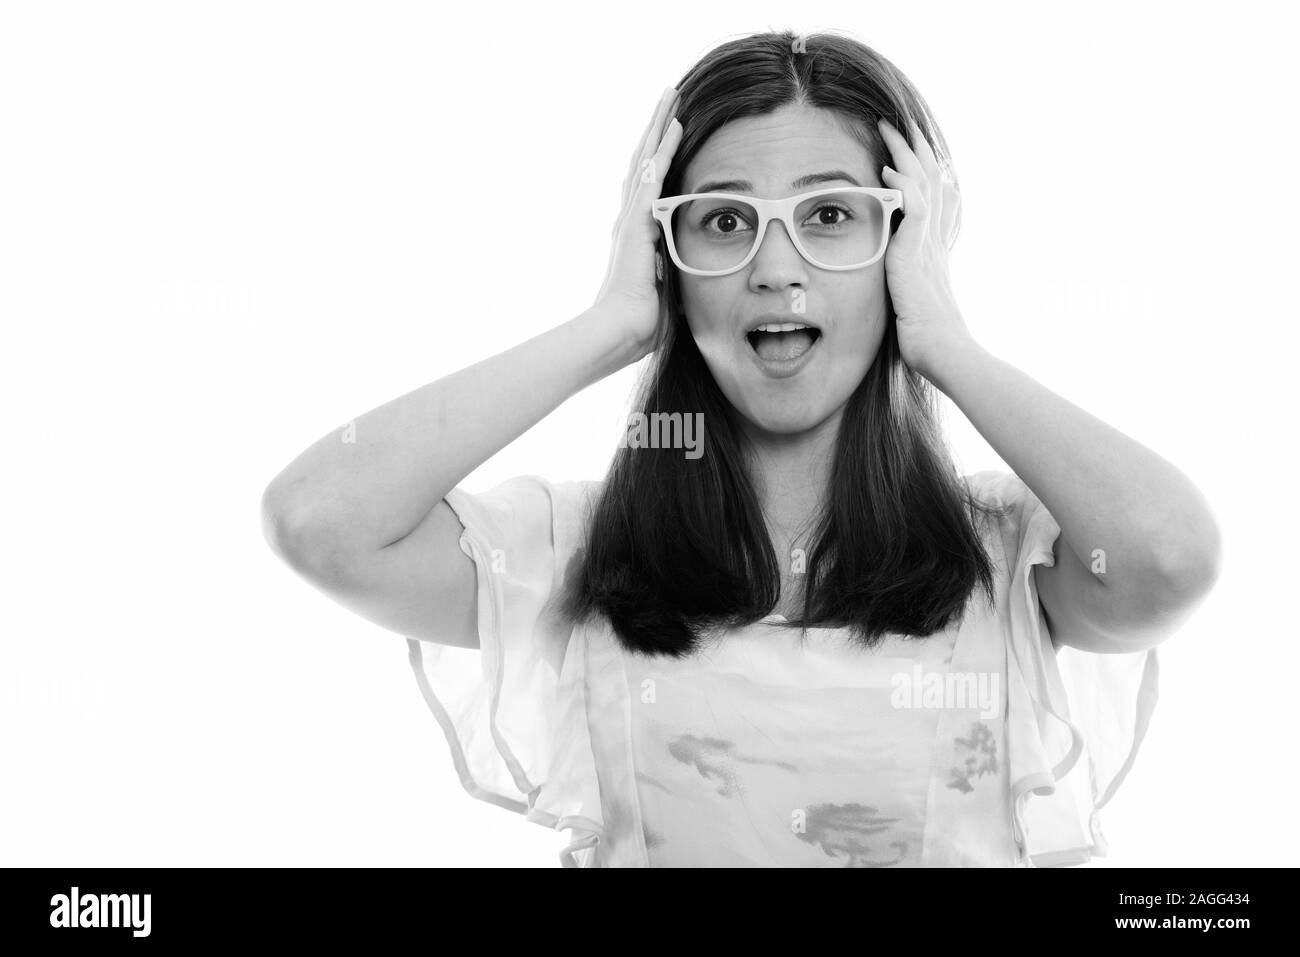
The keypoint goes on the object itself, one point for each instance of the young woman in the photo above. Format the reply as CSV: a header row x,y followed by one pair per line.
x,y
782,631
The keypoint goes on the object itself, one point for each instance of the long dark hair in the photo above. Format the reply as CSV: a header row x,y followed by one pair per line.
x,y
676,545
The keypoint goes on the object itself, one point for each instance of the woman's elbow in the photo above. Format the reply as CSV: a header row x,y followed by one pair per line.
x,y
1190,570
290,531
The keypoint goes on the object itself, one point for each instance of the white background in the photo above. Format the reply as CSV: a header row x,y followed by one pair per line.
x,y
228,228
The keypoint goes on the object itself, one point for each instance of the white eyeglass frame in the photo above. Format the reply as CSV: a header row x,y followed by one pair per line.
x,y
768,210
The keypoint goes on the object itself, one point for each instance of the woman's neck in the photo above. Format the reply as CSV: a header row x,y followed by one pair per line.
x,y
791,477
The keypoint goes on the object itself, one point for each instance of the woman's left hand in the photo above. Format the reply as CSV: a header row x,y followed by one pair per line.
x,y
930,326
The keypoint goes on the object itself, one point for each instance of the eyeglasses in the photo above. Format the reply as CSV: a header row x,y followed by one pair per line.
x,y
714,234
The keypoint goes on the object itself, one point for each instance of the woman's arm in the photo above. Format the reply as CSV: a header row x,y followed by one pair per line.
x,y
1139,546
360,512
367,485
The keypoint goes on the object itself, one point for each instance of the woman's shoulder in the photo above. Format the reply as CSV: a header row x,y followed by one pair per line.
x,y
1012,512
997,488
529,494
569,501
527,513
1005,496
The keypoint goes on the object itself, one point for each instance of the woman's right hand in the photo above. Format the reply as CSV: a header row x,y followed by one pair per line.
x,y
629,295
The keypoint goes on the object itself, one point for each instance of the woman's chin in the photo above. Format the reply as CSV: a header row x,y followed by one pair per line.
x,y
783,420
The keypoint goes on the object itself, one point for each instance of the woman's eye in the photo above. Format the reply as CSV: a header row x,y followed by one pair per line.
x,y
726,220
825,220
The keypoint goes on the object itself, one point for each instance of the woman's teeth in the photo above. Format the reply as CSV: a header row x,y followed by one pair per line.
x,y
782,341
781,327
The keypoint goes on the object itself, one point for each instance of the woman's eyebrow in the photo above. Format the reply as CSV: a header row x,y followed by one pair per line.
x,y
745,186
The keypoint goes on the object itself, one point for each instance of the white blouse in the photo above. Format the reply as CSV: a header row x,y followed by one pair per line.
x,y
984,745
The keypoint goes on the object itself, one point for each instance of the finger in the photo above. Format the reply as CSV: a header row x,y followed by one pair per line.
x,y
653,139
916,209
650,138
655,166
639,152
920,165
925,152
951,215
649,183
656,169
946,210
635,164
905,161
940,215
653,146
653,187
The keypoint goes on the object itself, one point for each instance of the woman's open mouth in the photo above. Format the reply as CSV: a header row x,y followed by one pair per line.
x,y
780,347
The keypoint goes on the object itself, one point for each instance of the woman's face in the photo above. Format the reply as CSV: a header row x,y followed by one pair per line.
x,y
848,307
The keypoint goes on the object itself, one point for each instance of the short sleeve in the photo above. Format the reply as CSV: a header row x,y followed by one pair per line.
x,y
512,710
1075,719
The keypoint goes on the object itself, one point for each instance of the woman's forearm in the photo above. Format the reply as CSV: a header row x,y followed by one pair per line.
x,y
371,482
1107,491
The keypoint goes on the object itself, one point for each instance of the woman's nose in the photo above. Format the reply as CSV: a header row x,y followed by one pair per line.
x,y
778,262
